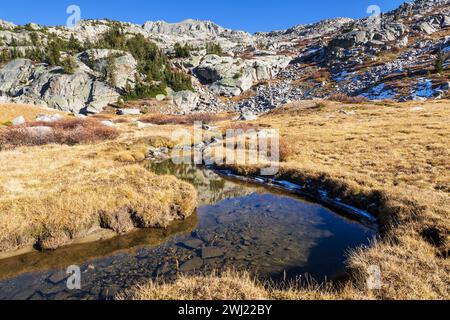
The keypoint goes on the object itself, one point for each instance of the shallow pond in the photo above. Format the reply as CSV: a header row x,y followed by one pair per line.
x,y
271,233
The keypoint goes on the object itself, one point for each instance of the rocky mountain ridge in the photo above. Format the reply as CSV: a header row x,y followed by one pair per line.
x,y
400,55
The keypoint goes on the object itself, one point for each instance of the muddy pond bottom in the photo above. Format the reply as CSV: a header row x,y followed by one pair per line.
x,y
270,233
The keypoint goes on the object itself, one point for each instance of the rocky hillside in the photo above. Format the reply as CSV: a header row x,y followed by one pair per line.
x,y
195,66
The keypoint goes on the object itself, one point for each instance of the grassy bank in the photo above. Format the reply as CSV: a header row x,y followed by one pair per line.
x,y
54,194
389,159
229,285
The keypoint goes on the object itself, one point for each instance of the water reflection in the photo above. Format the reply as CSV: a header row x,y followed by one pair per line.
x,y
79,253
238,225
211,187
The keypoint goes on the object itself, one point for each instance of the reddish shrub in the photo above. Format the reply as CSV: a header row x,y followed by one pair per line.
x,y
71,132
340,97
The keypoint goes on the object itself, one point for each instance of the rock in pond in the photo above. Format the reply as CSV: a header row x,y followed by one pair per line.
x,y
212,252
191,265
192,244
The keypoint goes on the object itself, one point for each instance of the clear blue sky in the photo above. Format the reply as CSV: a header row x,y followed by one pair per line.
x,y
248,15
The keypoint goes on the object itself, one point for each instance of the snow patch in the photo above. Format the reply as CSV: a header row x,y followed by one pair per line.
x,y
379,92
424,89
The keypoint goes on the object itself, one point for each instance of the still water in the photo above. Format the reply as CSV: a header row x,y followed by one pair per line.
x,y
273,234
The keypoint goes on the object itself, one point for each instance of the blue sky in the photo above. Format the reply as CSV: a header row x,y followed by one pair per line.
x,y
248,15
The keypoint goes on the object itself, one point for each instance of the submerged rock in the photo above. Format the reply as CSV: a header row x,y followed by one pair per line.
x,y
191,265
193,243
212,252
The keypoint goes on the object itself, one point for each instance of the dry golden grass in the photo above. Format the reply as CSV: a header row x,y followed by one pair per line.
x,y
231,285
54,194
390,160
10,111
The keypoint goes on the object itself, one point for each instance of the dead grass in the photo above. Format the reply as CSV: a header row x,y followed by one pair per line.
x,y
70,132
53,194
230,285
339,97
391,161
10,111
161,119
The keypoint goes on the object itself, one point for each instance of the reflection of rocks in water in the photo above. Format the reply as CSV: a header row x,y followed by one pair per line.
x,y
76,254
210,186
245,227
264,232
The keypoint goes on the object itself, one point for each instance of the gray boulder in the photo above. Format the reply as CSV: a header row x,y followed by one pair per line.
x,y
232,76
49,118
129,112
18,121
23,82
365,34
124,62
39,132
185,100
248,116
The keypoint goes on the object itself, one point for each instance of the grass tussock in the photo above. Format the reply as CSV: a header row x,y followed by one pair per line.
x,y
70,132
161,119
54,194
230,285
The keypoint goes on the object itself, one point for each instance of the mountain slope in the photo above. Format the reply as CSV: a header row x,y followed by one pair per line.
x,y
394,57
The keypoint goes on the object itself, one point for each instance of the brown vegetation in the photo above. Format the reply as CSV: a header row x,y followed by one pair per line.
x,y
391,161
339,97
162,119
53,195
70,132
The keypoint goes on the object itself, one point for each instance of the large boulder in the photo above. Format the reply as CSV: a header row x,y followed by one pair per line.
x,y
196,33
23,82
232,76
434,23
388,32
15,75
124,62
129,112
18,121
185,100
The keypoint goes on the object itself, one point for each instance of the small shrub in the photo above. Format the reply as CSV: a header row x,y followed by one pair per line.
x,y
214,48
286,149
70,132
182,51
161,142
340,97
69,65
125,157
439,64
